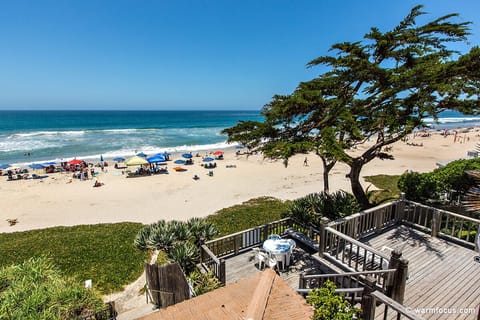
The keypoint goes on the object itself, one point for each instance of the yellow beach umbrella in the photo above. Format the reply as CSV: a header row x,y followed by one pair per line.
x,y
136,161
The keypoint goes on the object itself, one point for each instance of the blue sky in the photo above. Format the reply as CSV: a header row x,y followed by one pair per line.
x,y
144,54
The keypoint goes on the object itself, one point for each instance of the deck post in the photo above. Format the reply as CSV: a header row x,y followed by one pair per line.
x,y
235,245
400,281
323,236
400,210
368,301
379,218
394,263
436,220
265,232
301,283
222,272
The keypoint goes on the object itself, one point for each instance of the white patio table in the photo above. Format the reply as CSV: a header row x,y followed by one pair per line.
x,y
281,249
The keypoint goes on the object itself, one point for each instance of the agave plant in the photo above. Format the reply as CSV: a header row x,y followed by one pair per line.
x,y
180,230
201,230
203,282
161,237
185,254
142,237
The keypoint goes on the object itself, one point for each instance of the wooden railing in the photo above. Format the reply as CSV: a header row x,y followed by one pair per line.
x,y
441,223
209,261
357,256
347,280
233,244
367,222
392,309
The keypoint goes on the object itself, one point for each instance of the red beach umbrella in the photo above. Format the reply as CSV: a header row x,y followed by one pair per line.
x,y
75,161
217,153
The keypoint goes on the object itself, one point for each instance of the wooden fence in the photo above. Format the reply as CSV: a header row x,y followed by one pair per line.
x,y
166,284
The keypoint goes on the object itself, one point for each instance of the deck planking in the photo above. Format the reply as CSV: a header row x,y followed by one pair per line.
x,y
441,273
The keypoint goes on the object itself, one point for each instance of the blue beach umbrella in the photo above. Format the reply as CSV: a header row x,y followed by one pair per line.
x,y
119,159
4,166
187,155
141,154
36,166
156,158
239,147
208,159
49,163
179,161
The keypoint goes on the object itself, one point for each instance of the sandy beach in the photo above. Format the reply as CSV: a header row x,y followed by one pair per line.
x,y
53,201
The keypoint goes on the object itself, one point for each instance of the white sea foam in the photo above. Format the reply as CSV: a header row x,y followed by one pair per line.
x,y
46,133
453,120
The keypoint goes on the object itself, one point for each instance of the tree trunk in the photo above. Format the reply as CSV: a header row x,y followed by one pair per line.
x,y
357,188
326,171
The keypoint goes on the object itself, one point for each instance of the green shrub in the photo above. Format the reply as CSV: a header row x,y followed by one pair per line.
x,y
35,289
311,208
424,186
330,305
203,282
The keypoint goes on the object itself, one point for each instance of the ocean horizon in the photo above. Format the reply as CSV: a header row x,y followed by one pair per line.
x,y
28,136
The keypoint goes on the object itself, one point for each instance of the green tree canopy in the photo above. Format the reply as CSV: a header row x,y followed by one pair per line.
x,y
374,93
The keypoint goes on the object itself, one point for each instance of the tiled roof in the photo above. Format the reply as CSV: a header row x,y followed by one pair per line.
x,y
262,296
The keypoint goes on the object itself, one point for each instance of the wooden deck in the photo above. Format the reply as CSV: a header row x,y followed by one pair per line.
x,y
442,274
243,265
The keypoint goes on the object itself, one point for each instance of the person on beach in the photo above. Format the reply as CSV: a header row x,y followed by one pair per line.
x,y
305,162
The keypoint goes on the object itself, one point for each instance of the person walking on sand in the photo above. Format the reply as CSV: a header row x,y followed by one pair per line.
x,y
305,162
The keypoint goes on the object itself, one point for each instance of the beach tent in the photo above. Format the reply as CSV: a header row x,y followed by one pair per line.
x,y
36,166
187,155
208,159
4,166
156,158
136,161
217,153
49,163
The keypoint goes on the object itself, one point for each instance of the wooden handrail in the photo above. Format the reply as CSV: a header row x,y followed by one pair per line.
x,y
245,231
210,253
361,213
444,211
357,243
346,274
399,308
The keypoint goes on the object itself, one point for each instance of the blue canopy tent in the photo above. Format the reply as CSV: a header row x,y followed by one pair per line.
x,y
37,166
141,154
4,166
208,159
156,158
187,155
179,161
119,159
49,163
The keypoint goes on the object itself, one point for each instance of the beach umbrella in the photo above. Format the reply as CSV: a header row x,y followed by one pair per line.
x,y
36,166
217,153
119,159
156,158
136,161
4,166
75,161
179,161
141,154
208,159
49,163
187,155
239,147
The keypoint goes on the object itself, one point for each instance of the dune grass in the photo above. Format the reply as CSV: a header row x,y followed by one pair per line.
x,y
247,215
388,186
103,252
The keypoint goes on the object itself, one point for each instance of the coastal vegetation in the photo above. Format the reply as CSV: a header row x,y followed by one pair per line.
x,y
35,289
452,179
103,252
330,305
311,208
374,93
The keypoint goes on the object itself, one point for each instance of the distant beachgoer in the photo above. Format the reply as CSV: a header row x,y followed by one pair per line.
x,y
305,162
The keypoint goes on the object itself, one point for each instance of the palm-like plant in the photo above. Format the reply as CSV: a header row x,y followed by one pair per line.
x,y
141,239
185,254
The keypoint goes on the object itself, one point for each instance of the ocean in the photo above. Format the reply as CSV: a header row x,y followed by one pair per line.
x,y
42,136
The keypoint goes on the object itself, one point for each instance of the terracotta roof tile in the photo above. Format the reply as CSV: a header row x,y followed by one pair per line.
x,y
264,293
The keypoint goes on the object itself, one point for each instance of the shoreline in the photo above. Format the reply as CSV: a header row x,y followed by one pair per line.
x,y
52,201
